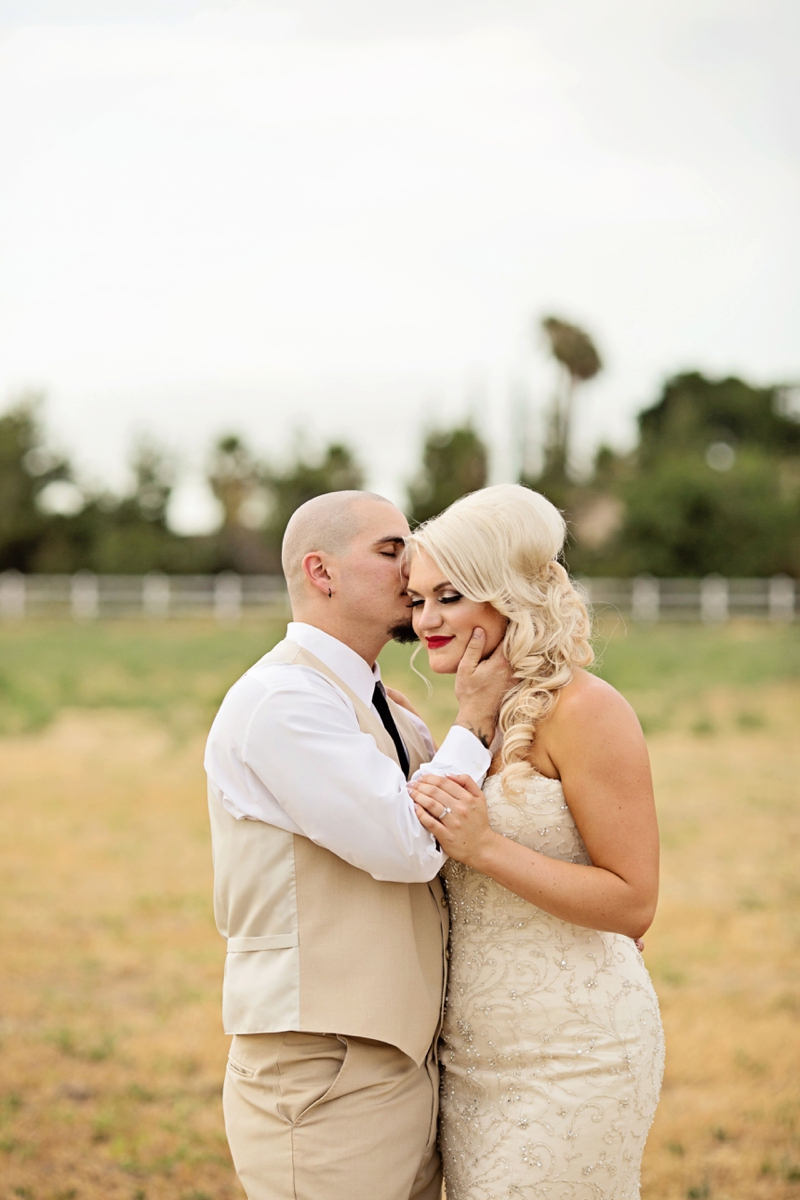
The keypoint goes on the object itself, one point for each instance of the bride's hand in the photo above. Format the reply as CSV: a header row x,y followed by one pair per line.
x,y
453,809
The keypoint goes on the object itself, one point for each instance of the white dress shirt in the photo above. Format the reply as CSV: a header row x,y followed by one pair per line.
x,y
285,748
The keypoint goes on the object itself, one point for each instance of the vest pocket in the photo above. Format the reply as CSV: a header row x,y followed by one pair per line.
x,y
272,941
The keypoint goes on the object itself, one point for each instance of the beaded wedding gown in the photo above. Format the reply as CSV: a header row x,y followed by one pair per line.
x,y
553,1049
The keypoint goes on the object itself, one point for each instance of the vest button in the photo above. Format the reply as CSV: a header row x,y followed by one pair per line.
x,y
444,901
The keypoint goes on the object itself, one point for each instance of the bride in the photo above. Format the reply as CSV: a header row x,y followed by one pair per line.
x,y
553,1048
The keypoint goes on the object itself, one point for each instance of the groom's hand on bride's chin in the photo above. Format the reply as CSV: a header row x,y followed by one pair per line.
x,y
481,684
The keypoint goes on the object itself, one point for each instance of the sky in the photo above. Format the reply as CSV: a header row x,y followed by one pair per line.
x,y
311,220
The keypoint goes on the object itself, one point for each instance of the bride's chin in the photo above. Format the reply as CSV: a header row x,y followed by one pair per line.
x,y
442,668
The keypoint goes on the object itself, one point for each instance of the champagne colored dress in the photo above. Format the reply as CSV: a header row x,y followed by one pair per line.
x,y
553,1049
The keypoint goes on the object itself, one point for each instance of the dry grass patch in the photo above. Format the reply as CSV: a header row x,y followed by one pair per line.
x,y
111,1050
112,1053
723,953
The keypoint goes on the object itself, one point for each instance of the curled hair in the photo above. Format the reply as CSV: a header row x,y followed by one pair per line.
x,y
499,546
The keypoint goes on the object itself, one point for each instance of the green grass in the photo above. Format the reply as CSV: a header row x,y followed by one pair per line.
x,y
181,670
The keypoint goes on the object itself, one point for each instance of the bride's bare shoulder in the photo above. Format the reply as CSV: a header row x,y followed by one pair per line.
x,y
589,699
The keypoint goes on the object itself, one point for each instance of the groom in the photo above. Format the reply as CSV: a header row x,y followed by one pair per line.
x,y
326,884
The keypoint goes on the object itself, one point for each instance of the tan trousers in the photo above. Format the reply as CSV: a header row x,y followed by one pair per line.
x,y
313,1116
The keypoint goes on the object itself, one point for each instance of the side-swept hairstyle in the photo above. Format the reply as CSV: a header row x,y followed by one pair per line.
x,y
499,546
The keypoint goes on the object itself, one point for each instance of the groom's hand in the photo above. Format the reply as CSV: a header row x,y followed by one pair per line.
x,y
480,688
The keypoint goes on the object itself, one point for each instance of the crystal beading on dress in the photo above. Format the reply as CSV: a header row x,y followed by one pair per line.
x,y
553,1050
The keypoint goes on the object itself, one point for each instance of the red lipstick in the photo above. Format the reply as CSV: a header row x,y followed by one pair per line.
x,y
435,643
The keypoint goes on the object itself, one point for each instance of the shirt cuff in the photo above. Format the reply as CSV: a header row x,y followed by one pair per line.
x,y
459,754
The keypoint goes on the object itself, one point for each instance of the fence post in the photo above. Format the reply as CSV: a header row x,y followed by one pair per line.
x,y
781,598
156,594
12,595
714,599
227,596
645,598
84,596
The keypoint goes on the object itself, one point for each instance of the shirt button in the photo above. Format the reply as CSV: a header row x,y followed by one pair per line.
x,y
444,901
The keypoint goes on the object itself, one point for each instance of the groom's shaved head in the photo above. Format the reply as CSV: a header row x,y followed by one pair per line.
x,y
327,524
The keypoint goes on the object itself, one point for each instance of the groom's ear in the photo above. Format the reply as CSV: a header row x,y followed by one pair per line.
x,y
315,569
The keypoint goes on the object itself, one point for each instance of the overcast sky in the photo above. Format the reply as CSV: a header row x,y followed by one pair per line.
x,y
343,217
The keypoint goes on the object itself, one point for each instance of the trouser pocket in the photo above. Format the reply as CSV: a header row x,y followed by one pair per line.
x,y
308,1066
239,1053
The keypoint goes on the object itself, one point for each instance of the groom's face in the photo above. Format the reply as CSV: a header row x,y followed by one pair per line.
x,y
371,572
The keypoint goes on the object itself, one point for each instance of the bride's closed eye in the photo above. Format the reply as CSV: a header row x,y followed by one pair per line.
x,y
451,598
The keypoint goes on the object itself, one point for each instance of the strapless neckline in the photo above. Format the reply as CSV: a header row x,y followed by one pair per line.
x,y
535,779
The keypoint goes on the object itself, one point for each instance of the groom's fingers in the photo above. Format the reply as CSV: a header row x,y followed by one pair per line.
x,y
471,657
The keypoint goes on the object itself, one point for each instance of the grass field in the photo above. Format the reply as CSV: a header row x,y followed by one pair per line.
x,y
111,1052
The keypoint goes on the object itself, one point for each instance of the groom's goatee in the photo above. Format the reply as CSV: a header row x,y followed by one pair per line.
x,y
404,634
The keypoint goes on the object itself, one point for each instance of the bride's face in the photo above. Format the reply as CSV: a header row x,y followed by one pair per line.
x,y
444,619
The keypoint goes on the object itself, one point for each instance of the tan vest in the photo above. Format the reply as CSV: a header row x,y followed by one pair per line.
x,y
315,944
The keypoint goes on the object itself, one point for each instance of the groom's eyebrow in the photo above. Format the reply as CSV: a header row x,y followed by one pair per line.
x,y
393,538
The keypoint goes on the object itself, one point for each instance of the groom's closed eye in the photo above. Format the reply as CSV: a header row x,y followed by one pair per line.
x,y
390,547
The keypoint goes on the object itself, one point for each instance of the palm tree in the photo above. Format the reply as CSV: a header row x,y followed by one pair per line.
x,y
577,356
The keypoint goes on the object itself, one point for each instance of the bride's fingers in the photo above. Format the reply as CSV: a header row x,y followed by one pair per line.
x,y
467,783
431,793
431,804
444,784
429,821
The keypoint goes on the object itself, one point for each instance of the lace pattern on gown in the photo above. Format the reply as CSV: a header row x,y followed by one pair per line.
x,y
552,1044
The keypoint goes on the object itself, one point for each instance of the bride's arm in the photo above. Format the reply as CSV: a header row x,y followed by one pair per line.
x,y
595,743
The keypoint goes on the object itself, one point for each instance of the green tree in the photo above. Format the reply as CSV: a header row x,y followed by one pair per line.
x,y
713,485
154,472
258,499
579,361
694,412
336,469
454,463
27,469
235,476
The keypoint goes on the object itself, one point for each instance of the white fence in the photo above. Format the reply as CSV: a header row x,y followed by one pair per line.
x,y
87,597
711,599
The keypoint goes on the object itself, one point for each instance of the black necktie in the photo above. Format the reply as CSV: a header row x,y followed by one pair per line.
x,y
385,714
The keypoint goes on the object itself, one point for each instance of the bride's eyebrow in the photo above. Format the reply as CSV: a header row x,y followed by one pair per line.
x,y
440,587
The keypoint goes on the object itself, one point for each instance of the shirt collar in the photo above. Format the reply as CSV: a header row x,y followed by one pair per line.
x,y
344,662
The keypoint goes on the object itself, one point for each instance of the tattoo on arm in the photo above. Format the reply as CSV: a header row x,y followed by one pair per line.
x,y
483,737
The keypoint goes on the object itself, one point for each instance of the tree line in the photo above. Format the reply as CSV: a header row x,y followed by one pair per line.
x,y
712,485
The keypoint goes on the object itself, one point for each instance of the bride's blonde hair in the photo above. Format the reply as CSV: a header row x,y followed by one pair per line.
x,y
499,546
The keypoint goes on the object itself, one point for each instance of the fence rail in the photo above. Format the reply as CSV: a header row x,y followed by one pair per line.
x,y
227,597
87,597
